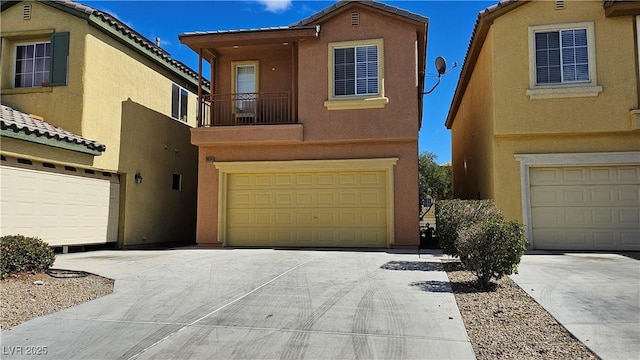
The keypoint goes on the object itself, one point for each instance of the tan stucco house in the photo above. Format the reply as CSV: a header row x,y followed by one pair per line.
x,y
545,120
310,134
96,126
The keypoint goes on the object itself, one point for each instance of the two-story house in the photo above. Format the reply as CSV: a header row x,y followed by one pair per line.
x,y
545,120
310,134
96,126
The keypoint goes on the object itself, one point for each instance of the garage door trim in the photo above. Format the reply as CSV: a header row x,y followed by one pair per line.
x,y
240,167
528,161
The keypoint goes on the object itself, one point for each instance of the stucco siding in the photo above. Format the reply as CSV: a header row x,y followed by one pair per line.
x,y
116,74
399,119
405,175
154,212
472,131
61,106
119,97
274,67
516,113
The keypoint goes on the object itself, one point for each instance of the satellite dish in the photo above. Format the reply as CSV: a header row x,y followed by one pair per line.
x,y
441,65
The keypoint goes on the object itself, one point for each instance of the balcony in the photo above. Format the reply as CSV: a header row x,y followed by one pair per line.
x,y
245,109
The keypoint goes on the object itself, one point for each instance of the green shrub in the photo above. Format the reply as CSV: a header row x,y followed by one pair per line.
x,y
452,215
21,253
491,249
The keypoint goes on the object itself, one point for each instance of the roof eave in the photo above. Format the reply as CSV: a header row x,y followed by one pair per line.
x,y
483,24
197,41
622,8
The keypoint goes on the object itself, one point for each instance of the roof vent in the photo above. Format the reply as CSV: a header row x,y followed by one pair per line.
x,y
26,12
355,19
559,4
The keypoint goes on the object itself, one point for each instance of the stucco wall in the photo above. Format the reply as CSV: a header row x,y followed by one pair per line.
x,y
405,179
558,125
472,131
61,106
121,99
274,67
399,119
515,113
156,147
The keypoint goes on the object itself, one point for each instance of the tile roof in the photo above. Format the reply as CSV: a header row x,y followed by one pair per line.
x,y
213,32
113,22
475,44
370,3
19,122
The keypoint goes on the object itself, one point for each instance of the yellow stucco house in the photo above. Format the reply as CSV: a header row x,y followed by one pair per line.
x,y
545,120
96,126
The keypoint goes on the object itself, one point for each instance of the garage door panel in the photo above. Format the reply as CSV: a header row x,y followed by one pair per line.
x,y
631,239
600,195
586,208
340,208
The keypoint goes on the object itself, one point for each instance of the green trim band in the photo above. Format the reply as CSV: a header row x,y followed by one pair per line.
x,y
49,142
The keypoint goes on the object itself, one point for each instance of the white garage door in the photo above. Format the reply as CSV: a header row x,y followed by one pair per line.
x,y
586,208
61,205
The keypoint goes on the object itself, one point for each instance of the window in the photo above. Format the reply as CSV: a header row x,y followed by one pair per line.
x,y
562,61
33,64
43,62
356,70
176,182
562,56
179,102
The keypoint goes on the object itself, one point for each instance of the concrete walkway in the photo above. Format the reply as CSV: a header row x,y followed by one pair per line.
x,y
595,296
254,304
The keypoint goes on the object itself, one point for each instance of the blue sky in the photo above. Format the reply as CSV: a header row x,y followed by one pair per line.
x,y
450,26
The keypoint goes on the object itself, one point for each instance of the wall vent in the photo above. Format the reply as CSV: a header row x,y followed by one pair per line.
x,y
559,4
355,19
26,12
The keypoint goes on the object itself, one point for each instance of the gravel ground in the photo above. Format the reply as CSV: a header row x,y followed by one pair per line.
x,y
21,299
506,323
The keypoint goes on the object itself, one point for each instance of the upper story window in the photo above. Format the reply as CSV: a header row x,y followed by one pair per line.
x,y
562,61
355,70
179,102
33,64
562,56
356,73
38,59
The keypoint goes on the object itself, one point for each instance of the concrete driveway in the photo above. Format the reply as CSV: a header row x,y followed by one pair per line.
x,y
254,304
595,296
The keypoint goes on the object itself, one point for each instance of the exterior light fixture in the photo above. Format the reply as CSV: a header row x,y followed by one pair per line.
x,y
138,178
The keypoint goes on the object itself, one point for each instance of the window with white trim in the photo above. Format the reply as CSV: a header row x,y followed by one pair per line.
x,y
33,64
562,61
562,56
179,102
355,70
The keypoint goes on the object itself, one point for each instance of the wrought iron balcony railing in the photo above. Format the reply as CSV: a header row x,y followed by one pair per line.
x,y
246,109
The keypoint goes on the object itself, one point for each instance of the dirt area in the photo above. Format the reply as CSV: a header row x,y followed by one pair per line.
x,y
26,296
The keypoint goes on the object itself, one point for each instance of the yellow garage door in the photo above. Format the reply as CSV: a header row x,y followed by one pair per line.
x,y
320,208
586,208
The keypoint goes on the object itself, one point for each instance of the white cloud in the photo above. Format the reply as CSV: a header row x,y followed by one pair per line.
x,y
275,6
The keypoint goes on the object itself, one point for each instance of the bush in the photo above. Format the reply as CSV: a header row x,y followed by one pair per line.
x,y
452,215
491,249
21,253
